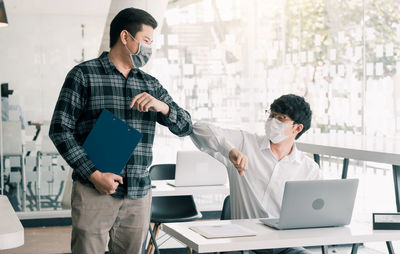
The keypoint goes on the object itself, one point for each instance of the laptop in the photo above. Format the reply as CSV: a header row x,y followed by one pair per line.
x,y
195,168
317,203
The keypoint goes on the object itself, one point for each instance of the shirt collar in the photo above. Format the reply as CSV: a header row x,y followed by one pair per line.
x,y
106,62
264,143
109,66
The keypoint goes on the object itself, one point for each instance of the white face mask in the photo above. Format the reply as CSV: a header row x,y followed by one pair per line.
x,y
275,130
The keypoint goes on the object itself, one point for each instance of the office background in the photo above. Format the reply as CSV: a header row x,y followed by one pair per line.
x,y
222,60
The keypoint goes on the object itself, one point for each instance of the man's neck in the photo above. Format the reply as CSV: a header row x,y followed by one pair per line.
x,y
282,149
120,60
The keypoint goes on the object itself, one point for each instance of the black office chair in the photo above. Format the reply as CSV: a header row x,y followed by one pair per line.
x,y
162,172
169,208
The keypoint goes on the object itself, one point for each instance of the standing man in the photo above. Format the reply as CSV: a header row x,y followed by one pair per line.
x,y
105,203
259,166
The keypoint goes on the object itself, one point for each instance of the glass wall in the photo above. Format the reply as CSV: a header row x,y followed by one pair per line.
x,y
226,61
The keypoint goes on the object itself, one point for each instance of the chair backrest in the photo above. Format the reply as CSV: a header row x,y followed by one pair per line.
x,y
174,209
162,172
226,209
171,208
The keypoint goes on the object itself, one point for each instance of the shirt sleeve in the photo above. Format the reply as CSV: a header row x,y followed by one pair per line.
x,y
178,120
70,105
316,172
319,175
216,141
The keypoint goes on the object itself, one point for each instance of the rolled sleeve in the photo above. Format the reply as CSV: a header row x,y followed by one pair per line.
x,y
178,120
172,116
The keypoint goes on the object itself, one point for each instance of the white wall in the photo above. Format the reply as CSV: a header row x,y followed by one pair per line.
x,y
42,43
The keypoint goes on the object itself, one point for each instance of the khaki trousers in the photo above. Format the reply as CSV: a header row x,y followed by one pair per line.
x,y
94,216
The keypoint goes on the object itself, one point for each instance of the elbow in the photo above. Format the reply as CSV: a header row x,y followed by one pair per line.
x,y
200,128
201,124
186,131
198,125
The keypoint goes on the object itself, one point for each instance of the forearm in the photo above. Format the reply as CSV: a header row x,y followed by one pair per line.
x,y
211,140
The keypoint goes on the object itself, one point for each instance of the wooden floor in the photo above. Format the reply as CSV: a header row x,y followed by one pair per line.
x,y
52,240
47,240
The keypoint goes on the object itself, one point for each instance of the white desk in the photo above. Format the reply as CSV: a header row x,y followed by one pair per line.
x,y
11,230
268,238
164,189
350,146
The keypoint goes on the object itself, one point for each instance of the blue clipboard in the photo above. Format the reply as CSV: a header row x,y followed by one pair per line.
x,y
111,143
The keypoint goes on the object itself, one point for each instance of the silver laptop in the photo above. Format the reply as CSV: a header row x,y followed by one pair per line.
x,y
317,203
195,168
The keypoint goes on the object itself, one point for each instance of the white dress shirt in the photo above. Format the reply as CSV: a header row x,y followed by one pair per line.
x,y
259,192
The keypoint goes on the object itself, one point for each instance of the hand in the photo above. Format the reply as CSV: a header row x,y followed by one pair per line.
x,y
239,160
145,102
105,183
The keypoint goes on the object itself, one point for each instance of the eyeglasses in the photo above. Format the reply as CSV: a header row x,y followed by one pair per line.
x,y
146,39
277,116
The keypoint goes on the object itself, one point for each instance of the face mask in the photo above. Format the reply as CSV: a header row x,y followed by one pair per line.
x,y
142,56
275,130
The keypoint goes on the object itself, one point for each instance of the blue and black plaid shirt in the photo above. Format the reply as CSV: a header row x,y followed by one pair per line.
x,y
95,85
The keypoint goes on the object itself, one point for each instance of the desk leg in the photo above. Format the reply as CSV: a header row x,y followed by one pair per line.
x,y
396,179
354,248
317,159
324,249
390,247
345,168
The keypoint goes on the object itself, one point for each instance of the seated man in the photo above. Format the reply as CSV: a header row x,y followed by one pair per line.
x,y
258,166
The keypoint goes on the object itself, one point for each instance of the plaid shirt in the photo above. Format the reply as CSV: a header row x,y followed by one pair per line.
x,y
95,85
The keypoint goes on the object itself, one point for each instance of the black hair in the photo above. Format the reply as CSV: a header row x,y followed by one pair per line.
x,y
130,19
296,108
